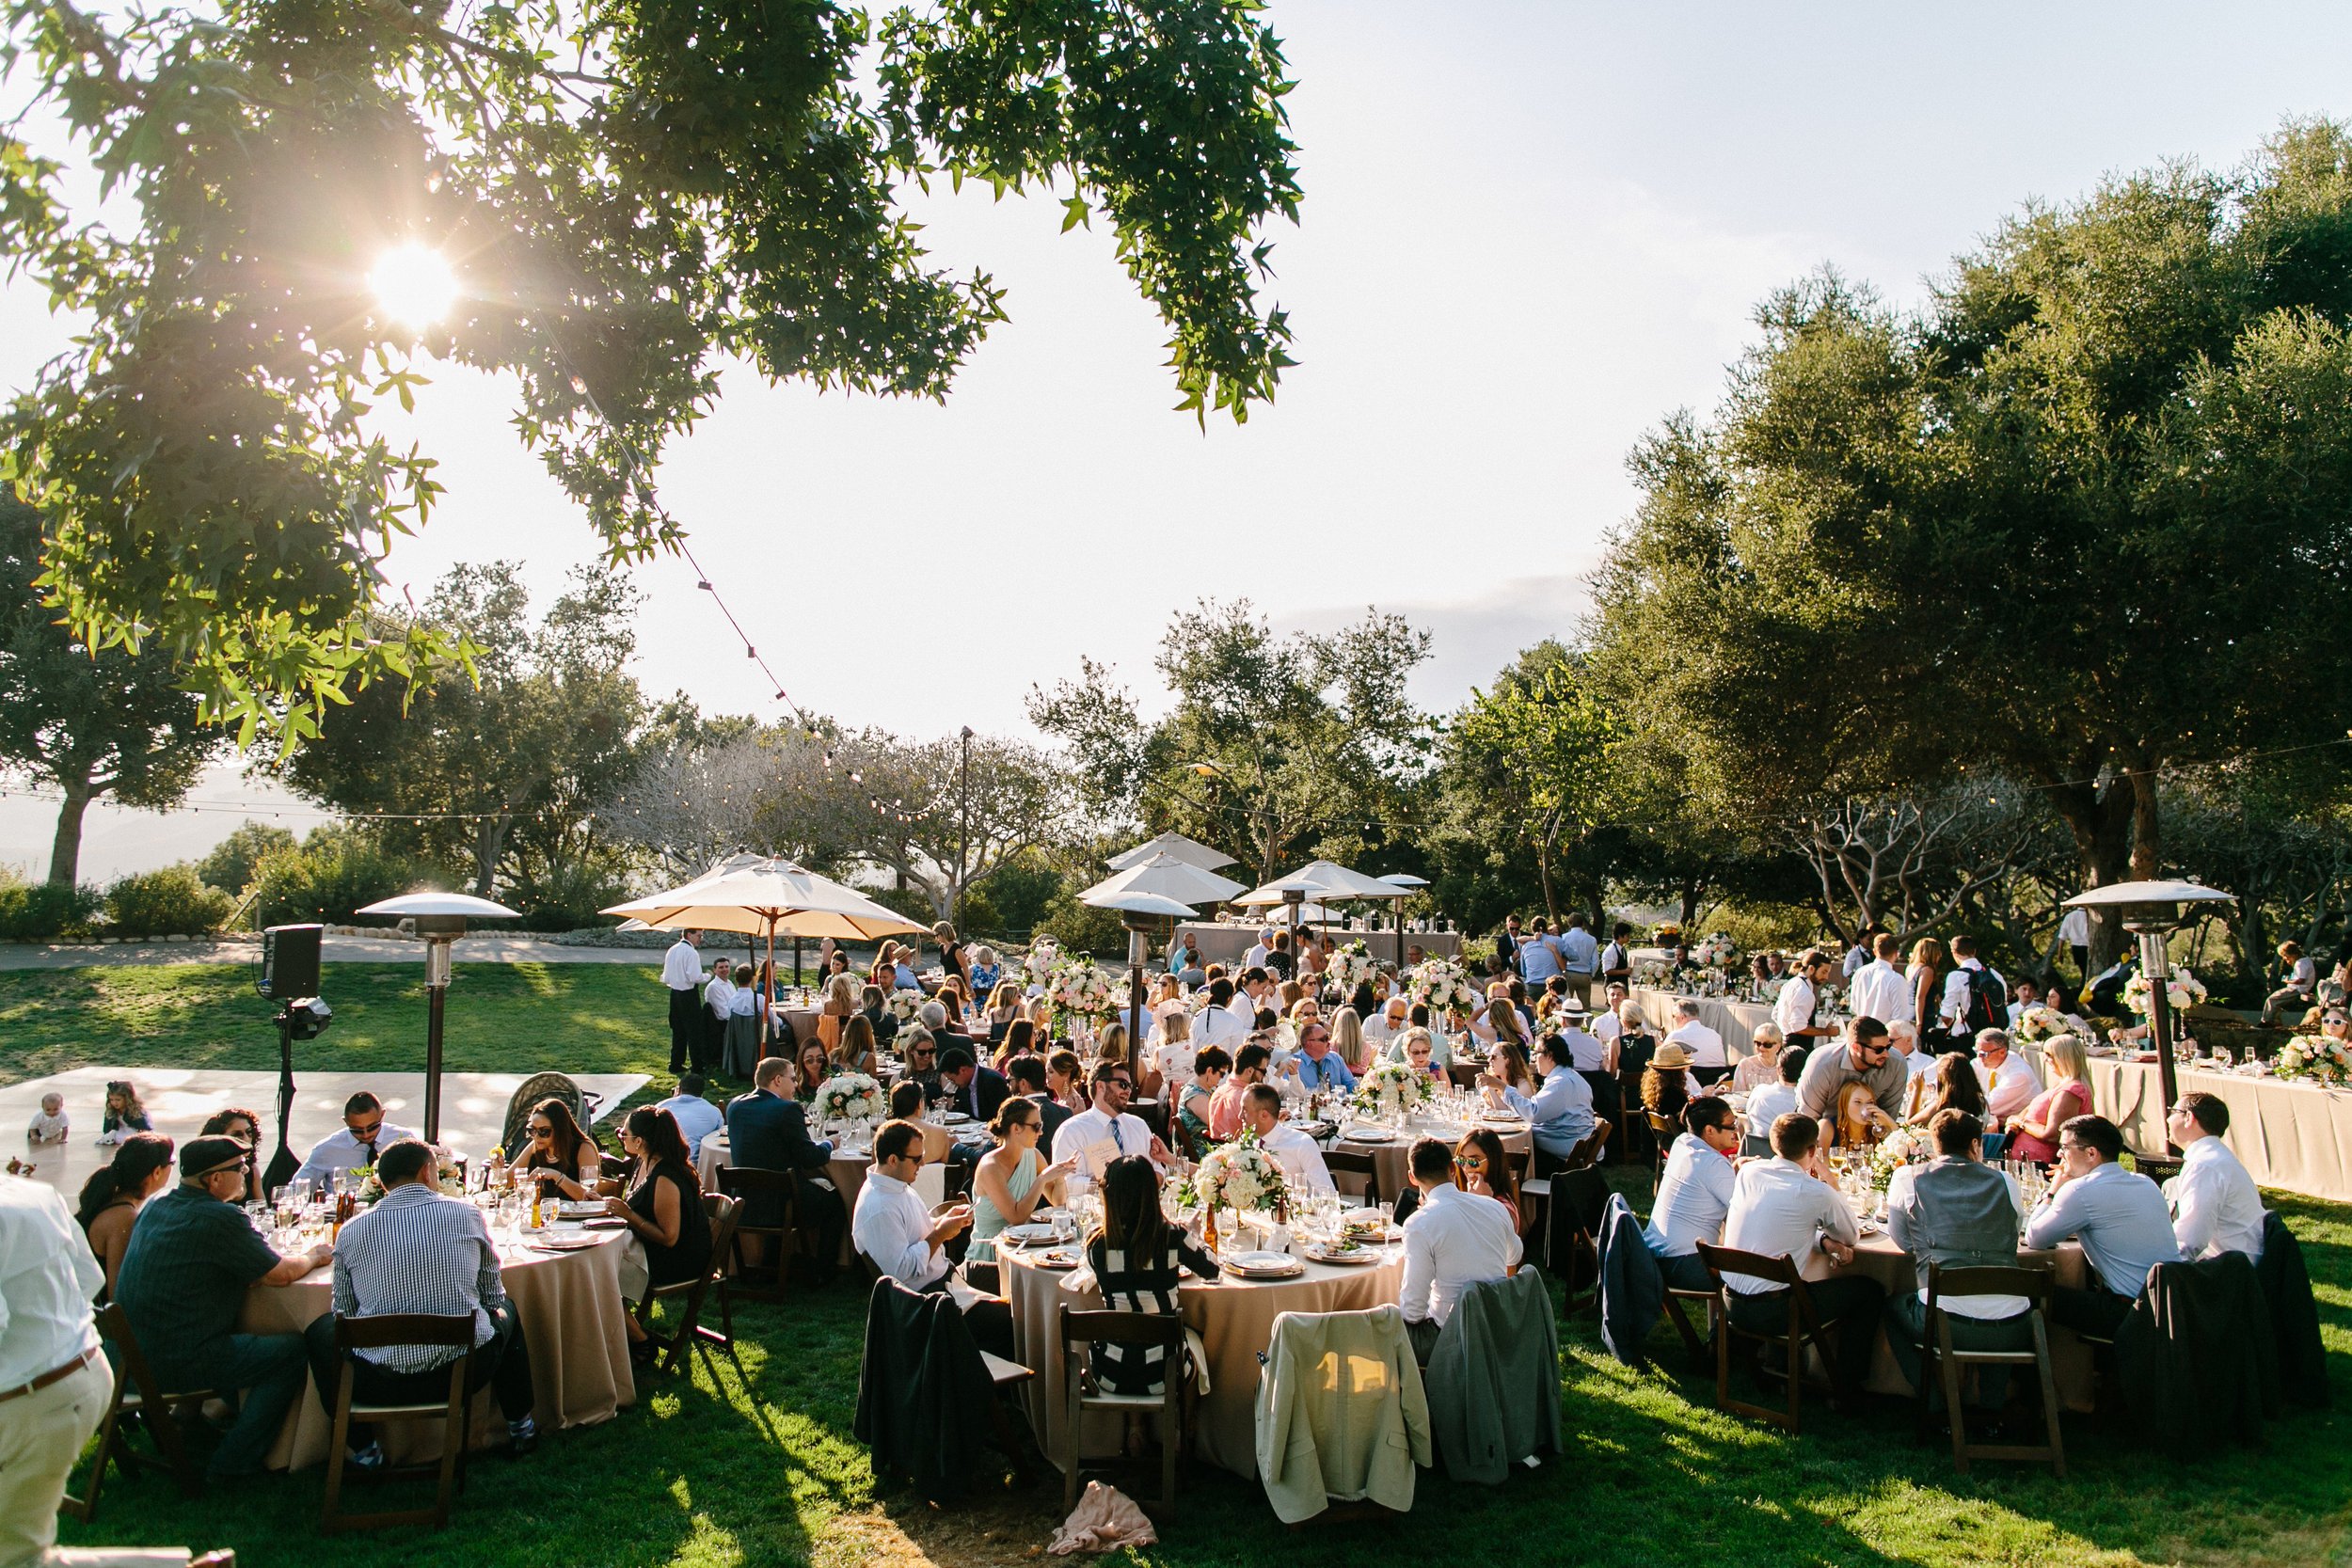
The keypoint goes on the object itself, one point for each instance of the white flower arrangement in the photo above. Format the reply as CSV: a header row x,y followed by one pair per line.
x,y
850,1097
1240,1175
1718,951
1891,1153
449,1177
1394,1089
1444,985
904,1006
2321,1058
1077,988
1351,966
2183,991
1653,975
2040,1024
1039,962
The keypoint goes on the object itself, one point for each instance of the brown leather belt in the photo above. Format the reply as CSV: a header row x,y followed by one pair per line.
x,y
56,1375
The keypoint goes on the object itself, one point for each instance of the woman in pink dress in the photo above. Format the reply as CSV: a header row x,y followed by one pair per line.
x,y
2033,1135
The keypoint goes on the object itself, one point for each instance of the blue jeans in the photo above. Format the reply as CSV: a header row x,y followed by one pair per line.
x,y
263,1374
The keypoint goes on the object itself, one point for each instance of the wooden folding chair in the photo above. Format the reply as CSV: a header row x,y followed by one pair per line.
x,y
136,1392
1663,1129
759,1281
1463,1075
378,1333
1587,1150
1937,1354
1140,1330
1342,1162
1803,1329
692,1333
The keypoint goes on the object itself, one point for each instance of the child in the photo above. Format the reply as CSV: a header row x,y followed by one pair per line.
x,y
49,1126
124,1114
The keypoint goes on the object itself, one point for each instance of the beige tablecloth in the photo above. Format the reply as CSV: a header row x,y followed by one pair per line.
x,y
1737,1022
1393,1159
2070,1359
572,1318
847,1173
2296,1137
1234,1319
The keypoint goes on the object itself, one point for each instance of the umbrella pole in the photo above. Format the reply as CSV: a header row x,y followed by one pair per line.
x,y
768,1002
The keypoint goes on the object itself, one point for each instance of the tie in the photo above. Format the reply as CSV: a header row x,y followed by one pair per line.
x,y
1119,1135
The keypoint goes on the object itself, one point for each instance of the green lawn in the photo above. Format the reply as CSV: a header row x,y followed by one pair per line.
x,y
764,1470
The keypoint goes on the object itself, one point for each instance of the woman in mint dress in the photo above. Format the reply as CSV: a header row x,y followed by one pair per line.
x,y
1013,1180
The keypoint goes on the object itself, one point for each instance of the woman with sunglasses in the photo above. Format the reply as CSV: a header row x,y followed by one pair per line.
x,y
235,1121
559,1153
1482,1167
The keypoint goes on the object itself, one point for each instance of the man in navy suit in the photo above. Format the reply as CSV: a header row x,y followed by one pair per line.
x,y
975,1090
1029,1081
768,1130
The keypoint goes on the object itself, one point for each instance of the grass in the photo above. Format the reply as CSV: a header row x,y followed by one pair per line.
x,y
761,1470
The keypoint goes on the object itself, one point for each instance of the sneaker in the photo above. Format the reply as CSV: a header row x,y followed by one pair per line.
x,y
522,1437
369,1458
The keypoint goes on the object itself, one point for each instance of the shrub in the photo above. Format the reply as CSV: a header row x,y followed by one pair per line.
x,y
168,902
338,869
230,864
42,911
1082,928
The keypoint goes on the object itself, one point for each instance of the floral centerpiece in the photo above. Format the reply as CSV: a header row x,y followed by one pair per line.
x,y
904,1006
1444,985
850,1097
2321,1058
1079,990
1040,962
449,1177
1240,1176
1350,967
2183,990
1394,1089
1897,1149
1653,975
1717,951
2040,1024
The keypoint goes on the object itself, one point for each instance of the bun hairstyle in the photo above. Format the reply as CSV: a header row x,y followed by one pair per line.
x,y
1014,1111
140,1156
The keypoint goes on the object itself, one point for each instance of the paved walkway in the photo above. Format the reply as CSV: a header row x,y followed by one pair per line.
x,y
486,947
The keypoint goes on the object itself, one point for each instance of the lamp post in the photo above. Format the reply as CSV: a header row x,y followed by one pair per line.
x,y
440,919
2152,912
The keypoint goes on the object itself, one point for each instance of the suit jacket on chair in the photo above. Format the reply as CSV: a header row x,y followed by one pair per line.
x,y
1341,1412
1494,1379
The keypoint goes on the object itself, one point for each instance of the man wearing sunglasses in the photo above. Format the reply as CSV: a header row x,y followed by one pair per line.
x,y
1866,1056
1109,1121
365,1132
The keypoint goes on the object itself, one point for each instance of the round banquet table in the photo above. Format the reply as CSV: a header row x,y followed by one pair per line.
x,y
846,1171
1234,1319
1393,1158
572,1318
1879,1258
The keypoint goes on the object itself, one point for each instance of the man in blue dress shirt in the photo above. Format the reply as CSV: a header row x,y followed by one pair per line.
x,y
2118,1216
1702,1171
1559,1111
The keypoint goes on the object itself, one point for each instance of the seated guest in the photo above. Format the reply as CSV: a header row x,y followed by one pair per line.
x,y
1510,1063
417,1251
974,1090
1761,1067
2008,1080
1774,1101
1417,1049
1695,1195
697,1118
870,1006
364,1131
115,1193
1134,1255
2215,1208
1918,1064
1453,1239
1787,1206
664,1213
1285,1142
1018,1040
858,1052
1385,1025
739,1034
50,1124
1027,1076
1003,1009
1225,1106
896,1231
903,973
1481,1165
561,1155
1667,1085
1636,1043
1319,1066
1108,1119
1561,1111
1709,1060
1012,1179
2033,1132
1065,1077
2118,1215
947,1030
921,1055
125,1115
1865,1056
907,1104
1959,1211
235,1121
811,1065
1193,1106
1172,1051
1953,1086
768,1130
193,1257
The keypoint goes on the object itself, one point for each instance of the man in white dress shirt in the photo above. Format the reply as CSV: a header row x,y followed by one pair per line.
x,y
1260,951
1220,1022
682,971
1708,1060
1607,1026
895,1230
2216,1206
365,1132
1879,989
1287,1145
1454,1240
53,1368
1793,1008
1787,1206
1695,1195
1109,1121
2008,1080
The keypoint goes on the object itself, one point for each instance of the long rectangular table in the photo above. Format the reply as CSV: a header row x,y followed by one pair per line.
x,y
2293,1137
1737,1022
1221,943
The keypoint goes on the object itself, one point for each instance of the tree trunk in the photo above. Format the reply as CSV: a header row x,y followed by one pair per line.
x,y
2100,817
1691,888
65,850
2147,831
489,843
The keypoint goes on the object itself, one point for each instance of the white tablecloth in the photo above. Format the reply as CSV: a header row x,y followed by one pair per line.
x,y
1737,1022
2293,1137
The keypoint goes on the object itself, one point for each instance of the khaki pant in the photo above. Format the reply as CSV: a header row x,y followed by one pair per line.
x,y
42,1434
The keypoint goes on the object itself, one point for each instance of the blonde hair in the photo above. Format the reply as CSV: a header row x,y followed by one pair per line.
x,y
1404,1042
1347,1037
842,990
1927,950
1770,1033
2065,1053
1175,1028
1112,1044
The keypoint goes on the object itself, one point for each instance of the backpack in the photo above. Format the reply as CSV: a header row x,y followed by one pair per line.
x,y
1988,1002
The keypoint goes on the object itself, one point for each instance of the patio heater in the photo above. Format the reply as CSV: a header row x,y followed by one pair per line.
x,y
2151,912
440,919
1145,915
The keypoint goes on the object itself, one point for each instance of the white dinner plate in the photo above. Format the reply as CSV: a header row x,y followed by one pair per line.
x,y
1265,1266
1348,1259
1368,1135
1027,1233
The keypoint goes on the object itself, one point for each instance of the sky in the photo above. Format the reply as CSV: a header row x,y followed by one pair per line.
x,y
1530,233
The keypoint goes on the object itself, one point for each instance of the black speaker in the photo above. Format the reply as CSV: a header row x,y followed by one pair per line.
x,y
290,962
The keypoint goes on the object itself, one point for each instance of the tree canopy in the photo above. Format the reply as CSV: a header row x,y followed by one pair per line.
x,y
624,196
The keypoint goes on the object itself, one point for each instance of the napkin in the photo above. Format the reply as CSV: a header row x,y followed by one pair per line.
x,y
1104,1520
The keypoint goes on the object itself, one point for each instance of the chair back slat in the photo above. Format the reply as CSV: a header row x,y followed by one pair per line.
x,y
1986,1279
1339,1162
404,1328
1164,1329
1723,1260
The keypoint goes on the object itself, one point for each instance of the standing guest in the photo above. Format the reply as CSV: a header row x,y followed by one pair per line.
x,y
1193,1106
1794,1007
2298,977
52,1365
1952,1086
1454,1239
124,1114
1481,1165
2215,1208
663,1210
1762,1065
2075,930
1134,1255
1540,953
857,1051
696,1116
974,1090
682,972
560,1154
1617,960
768,1130
1561,1111
116,1191
2118,1216
2033,1132
1580,959
1694,1194
745,1008
365,1132
872,1005
1879,989
1027,1076
813,1067
718,1009
1506,947
1012,1179
952,963
1319,1066
50,1124
1772,1101
1286,1143
1925,977
192,1258
2009,1080
1709,1058
418,1251
1957,1212
1974,996
1225,1106
1865,1056
1223,1022
235,1121
1108,1119
1787,1207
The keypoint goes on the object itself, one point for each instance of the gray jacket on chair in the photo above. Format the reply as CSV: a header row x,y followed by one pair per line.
x,y
1494,1379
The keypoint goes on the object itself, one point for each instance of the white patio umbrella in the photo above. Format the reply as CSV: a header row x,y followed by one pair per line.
x,y
1327,882
1144,909
1190,850
1167,876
